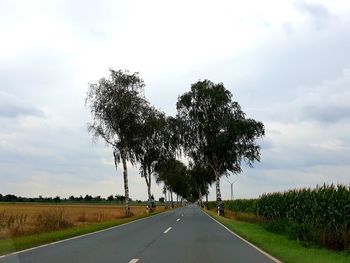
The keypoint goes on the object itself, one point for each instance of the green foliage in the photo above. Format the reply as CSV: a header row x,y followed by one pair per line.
x,y
214,130
151,147
241,205
173,173
116,104
320,215
200,176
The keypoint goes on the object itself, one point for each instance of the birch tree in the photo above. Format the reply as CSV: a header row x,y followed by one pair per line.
x,y
116,104
215,131
155,143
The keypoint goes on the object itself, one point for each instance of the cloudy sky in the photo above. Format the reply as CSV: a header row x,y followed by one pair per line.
x,y
286,62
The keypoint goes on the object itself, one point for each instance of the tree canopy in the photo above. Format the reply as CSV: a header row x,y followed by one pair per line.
x,y
215,131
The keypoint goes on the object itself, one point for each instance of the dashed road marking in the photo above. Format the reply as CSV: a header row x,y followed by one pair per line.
x,y
177,220
134,260
166,231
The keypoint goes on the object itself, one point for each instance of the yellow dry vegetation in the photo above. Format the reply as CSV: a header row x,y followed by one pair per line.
x,y
24,219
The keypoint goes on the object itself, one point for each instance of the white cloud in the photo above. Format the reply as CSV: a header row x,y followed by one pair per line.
x,y
286,62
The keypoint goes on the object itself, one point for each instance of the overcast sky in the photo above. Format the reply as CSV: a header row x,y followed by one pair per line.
x,y
286,62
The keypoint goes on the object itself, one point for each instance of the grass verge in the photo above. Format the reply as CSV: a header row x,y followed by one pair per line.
x,y
19,243
280,246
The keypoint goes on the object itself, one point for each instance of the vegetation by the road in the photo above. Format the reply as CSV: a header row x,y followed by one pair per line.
x,y
16,243
215,131
320,216
280,246
25,219
210,128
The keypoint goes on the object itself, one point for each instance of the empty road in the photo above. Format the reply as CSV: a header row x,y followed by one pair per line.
x,y
181,235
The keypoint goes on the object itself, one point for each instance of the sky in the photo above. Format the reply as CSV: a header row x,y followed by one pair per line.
x,y
287,63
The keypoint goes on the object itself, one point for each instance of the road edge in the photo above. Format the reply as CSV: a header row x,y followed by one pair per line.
x,y
80,236
244,240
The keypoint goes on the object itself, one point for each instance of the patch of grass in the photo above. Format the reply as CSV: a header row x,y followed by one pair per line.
x,y
24,242
280,246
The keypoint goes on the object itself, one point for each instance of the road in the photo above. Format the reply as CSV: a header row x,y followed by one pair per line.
x,y
181,235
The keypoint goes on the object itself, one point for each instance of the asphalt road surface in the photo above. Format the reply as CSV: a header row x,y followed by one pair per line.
x,y
181,235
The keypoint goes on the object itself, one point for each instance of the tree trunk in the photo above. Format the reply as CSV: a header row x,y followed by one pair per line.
x,y
200,198
218,195
165,199
126,185
148,182
149,193
206,201
217,184
171,196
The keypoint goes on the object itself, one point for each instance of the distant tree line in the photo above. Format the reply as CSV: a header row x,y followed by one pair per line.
x,y
87,198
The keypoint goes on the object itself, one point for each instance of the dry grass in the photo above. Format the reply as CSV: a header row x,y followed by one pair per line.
x,y
24,219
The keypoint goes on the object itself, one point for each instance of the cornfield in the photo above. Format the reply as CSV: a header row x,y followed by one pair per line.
x,y
320,215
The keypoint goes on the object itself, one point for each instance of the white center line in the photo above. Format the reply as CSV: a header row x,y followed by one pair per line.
x,y
166,231
177,220
134,260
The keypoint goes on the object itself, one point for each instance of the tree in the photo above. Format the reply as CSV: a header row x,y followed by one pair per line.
x,y
214,130
120,198
88,198
97,198
154,144
116,104
201,176
173,173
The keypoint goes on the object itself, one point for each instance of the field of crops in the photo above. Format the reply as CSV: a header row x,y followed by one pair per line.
x,y
23,219
320,215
